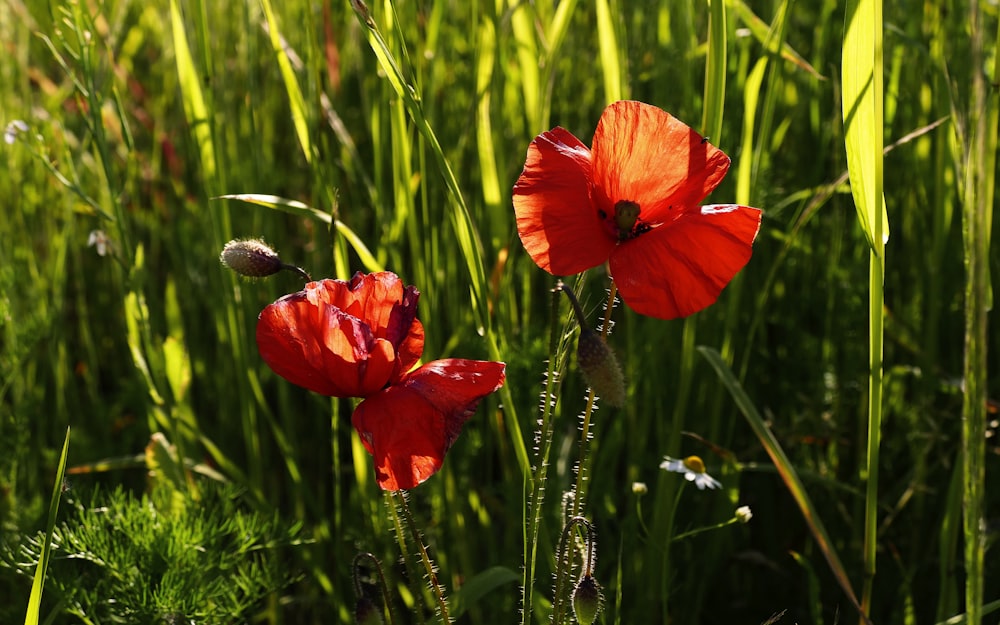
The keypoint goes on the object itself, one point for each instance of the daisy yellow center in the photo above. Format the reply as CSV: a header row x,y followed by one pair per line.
x,y
694,464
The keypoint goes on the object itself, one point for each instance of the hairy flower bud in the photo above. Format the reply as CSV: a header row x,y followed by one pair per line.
x,y
587,600
251,257
600,367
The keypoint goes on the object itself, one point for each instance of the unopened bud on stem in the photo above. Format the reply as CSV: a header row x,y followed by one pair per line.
x,y
255,259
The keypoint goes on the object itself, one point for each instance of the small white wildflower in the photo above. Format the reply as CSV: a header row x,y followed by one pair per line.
x,y
693,469
743,514
100,241
13,129
639,488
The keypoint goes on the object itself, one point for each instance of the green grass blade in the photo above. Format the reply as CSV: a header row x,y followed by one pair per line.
x,y
863,129
611,63
863,118
761,31
785,469
465,232
294,207
523,27
35,598
295,101
978,192
715,73
194,101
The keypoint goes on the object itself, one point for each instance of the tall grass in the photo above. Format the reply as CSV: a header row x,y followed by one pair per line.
x,y
394,143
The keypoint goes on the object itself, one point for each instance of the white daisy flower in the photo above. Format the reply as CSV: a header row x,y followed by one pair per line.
x,y
693,469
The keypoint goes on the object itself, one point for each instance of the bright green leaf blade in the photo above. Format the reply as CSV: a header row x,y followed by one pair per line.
x,y
611,67
194,101
294,207
761,31
863,117
295,100
715,73
35,598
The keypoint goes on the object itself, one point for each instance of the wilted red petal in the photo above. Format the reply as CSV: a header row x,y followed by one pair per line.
x,y
646,155
409,426
323,349
556,220
680,268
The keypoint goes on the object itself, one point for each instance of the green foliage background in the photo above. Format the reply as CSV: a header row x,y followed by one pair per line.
x,y
158,337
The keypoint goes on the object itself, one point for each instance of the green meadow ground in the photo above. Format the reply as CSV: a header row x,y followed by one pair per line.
x,y
139,114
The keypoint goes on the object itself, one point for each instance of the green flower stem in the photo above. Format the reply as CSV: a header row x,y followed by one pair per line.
x,y
432,579
702,530
536,483
583,468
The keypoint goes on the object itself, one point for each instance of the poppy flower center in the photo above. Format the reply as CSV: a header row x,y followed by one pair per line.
x,y
625,223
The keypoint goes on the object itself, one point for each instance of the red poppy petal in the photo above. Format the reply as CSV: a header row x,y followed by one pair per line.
x,y
384,303
321,348
556,220
680,268
646,155
409,426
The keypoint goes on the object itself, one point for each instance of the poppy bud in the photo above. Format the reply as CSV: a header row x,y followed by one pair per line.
x,y
251,258
600,367
587,600
255,259
367,613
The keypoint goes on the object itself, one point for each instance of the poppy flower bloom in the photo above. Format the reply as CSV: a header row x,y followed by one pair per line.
x,y
362,339
633,200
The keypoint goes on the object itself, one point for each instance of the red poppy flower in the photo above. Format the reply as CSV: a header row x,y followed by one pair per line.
x,y
343,339
361,339
633,199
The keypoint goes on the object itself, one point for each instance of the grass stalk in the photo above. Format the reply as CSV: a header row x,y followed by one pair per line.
x,y
979,189
38,582
863,121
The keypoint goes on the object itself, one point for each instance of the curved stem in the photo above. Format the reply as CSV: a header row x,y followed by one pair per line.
x,y
383,586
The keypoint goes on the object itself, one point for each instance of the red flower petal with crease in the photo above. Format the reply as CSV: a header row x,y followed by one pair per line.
x,y
343,339
681,268
647,156
555,220
409,426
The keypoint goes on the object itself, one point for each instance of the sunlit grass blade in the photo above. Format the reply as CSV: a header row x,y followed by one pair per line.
x,y
744,170
294,207
715,74
785,469
295,101
863,117
611,63
523,27
38,582
863,133
761,32
465,231
194,101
